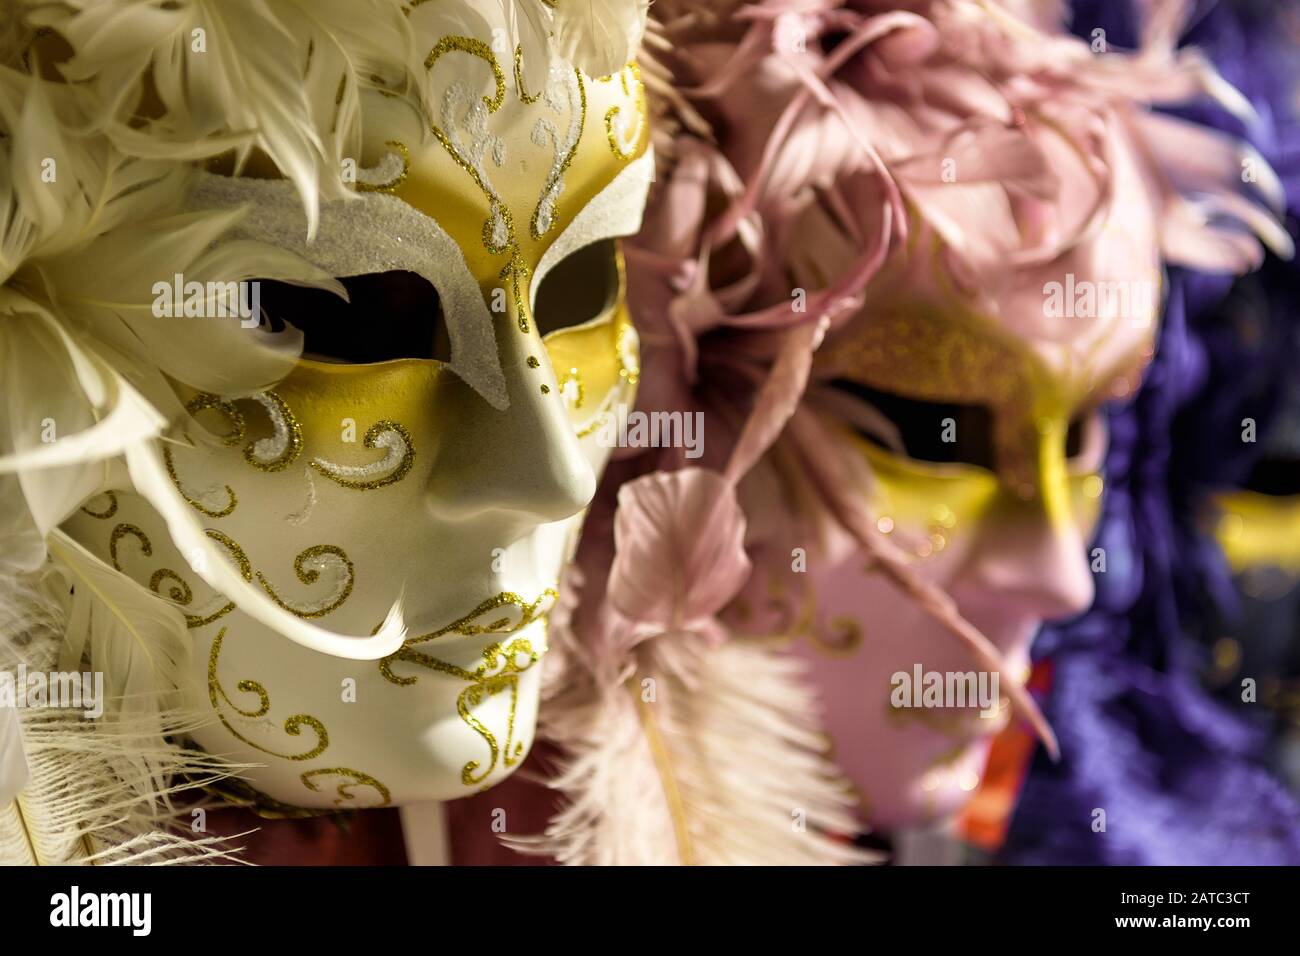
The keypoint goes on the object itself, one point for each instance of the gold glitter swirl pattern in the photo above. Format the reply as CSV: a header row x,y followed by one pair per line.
x,y
234,416
292,726
179,592
543,217
384,434
519,77
358,779
844,638
498,673
232,500
104,515
307,574
622,145
281,449
529,611
395,183
498,228
121,531
245,568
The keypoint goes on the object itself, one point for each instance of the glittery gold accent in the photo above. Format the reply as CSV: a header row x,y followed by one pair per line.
x,y
473,47
519,77
499,672
282,417
205,400
628,359
238,793
292,726
550,189
395,183
516,273
612,115
579,394
330,470
359,779
171,473
245,568
103,515
121,531
957,723
180,592
1259,531
309,576
546,389
532,363
602,355
529,611
844,640
499,210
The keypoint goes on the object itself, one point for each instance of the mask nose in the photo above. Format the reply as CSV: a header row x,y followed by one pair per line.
x,y
1033,554
524,459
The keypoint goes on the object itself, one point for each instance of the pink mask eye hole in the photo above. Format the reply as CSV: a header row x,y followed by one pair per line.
x,y
940,432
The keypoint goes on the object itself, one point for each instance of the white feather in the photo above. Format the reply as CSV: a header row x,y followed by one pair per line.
x,y
724,766
599,37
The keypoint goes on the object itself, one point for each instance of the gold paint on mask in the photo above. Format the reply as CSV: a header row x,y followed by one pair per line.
x,y
621,147
234,417
529,611
602,358
1257,531
395,183
499,672
475,131
519,77
194,503
120,532
180,592
287,432
358,779
948,499
292,725
310,576
929,355
103,515
340,474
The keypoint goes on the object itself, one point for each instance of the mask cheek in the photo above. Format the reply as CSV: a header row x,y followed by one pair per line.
x,y
930,512
1085,502
596,368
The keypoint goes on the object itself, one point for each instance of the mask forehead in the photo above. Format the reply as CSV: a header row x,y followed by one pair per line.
x,y
505,169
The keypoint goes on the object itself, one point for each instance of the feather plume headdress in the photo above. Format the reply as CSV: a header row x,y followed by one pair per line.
x,y
104,115
820,182
105,90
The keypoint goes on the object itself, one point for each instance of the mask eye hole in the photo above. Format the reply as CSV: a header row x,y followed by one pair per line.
x,y
1085,442
941,432
582,287
1276,476
389,315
